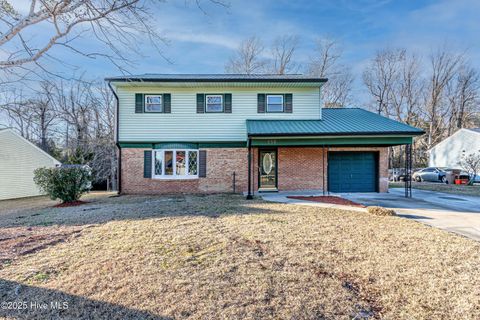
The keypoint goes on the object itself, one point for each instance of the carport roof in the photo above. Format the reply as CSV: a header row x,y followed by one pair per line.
x,y
334,122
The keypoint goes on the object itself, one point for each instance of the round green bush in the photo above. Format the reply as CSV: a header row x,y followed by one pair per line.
x,y
64,183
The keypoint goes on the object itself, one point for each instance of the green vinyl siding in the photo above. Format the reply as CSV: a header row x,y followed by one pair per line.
x,y
185,124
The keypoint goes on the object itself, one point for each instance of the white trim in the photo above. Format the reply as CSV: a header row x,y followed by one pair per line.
x,y
145,103
275,95
221,101
33,145
174,176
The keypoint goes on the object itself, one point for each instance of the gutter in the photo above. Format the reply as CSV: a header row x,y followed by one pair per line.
x,y
117,121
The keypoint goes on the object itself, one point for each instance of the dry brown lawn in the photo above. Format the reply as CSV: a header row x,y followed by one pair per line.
x,y
222,257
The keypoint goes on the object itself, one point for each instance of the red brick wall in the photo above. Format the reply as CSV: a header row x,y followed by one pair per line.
x,y
221,163
298,169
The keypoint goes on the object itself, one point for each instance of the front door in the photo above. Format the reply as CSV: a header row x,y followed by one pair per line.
x,y
267,167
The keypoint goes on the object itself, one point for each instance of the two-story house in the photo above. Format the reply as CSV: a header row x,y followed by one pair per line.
x,y
201,133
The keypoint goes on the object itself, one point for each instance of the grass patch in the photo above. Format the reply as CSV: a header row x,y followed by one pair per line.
x,y
441,187
221,256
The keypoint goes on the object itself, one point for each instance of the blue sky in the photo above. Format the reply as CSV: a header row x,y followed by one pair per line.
x,y
202,43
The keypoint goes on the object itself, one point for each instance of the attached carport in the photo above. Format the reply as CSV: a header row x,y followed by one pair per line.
x,y
348,171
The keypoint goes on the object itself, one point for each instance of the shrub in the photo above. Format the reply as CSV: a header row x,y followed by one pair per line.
x,y
64,183
381,211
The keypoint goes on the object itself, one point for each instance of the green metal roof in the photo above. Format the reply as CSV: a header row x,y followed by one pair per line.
x,y
335,121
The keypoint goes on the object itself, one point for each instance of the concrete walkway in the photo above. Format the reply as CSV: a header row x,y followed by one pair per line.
x,y
454,213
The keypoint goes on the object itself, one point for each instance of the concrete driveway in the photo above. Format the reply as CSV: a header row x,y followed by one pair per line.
x,y
451,212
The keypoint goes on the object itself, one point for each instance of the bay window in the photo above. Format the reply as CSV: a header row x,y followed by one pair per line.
x,y
175,164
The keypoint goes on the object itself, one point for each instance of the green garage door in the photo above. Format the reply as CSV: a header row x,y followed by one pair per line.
x,y
352,171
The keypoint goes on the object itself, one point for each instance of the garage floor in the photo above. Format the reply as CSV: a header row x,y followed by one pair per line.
x,y
451,212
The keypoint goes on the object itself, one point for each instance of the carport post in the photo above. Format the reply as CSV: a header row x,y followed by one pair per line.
x,y
408,171
249,180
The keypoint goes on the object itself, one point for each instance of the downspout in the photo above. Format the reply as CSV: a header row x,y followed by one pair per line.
x,y
249,194
323,169
320,102
117,113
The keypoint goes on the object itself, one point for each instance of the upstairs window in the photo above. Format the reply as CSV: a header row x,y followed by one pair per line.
x,y
175,164
214,103
274,103
153,103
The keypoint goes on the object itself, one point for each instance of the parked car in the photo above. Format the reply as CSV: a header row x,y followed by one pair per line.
x,y
397,174
431,174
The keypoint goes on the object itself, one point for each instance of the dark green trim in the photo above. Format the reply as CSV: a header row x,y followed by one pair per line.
x,y
135,145
175,145
355,141
186,145
274,142
139,101
147,163
233,144
358,133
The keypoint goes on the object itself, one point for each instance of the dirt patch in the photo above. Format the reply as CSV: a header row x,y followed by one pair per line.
x,y
70,204
329,199
19,241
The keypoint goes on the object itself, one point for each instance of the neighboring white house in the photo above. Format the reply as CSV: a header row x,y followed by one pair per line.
x,y
448,153
18,159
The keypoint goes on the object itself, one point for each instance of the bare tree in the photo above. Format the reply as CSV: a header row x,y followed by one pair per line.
x,y
407,91
380,77
17,115
471,163
45,116
34,117
466,96
104,159
326,57
87,111
248,58
325,63
114,24
444,65
75,103
283,50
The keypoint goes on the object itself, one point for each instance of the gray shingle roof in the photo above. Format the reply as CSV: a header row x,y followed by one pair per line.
x,y
153,77
340,121
475,129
